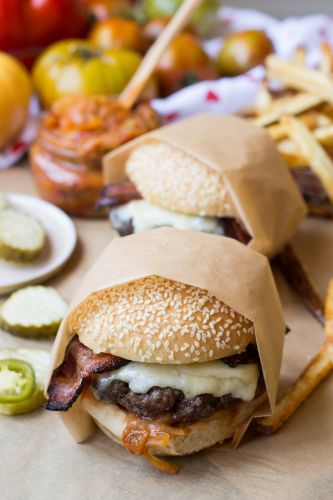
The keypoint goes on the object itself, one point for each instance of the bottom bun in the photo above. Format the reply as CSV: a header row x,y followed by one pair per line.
x,y
222,425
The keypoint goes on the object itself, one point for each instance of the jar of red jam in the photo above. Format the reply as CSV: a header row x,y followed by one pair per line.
x,y
66,158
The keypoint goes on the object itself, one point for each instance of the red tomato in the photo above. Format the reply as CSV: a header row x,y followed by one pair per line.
x,y
27,26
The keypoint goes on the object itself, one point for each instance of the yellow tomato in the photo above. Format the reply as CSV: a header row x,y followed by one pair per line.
x,y
118,33
72,67
15,92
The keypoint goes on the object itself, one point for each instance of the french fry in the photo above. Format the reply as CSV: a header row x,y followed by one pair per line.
x,y
288,105
316,156
324,135
320,366
291,154
317,118
264,98
312,119
301,78
327,109
329,313
326,63
277,132
299,56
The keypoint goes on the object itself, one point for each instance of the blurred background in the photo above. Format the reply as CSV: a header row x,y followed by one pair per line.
x,y
284,8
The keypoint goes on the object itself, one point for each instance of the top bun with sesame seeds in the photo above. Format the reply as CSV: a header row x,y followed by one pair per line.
x,y
156,320
170,178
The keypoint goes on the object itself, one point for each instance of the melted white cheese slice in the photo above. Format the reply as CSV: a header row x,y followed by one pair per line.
x,y
212,377
145,216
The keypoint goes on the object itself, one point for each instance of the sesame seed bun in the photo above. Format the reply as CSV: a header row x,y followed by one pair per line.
x,y
172,179
199,435
155,320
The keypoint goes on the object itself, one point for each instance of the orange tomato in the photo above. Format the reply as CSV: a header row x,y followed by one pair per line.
x,y
118,33
184,63
242,51
153,28
103,9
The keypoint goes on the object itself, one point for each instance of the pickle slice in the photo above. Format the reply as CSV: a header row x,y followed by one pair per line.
x,y
2,200
33,312
39,360
22,237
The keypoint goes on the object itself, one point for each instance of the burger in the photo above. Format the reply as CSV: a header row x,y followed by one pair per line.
x,y
216,174
168,187
162,365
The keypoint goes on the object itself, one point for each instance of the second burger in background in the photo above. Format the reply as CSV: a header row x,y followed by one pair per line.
x,y
217,174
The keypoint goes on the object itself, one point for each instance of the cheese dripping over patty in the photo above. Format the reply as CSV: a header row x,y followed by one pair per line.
x,y
145,216
211,377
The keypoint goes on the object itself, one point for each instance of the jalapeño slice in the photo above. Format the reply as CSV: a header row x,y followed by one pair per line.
x,y
17,381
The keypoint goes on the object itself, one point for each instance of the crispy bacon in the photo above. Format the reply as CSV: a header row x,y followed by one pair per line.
x,y
114,195
297,278
250,355
233,229
313,192
74,374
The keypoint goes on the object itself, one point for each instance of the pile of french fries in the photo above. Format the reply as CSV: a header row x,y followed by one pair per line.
x,y
300,118
300,121
318,369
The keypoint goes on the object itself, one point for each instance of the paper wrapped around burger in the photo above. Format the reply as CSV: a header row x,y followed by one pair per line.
x,y
257,180
234,274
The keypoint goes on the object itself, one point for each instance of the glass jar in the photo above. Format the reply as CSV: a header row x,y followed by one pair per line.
x,y
63,178
75,133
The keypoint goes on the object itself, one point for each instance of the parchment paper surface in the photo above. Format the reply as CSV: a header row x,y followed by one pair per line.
x,y
40,461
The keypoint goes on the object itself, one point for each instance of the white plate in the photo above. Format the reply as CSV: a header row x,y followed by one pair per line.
x,y
60,243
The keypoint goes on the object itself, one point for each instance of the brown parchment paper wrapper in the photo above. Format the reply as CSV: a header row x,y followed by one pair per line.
x,y
263,192
233,273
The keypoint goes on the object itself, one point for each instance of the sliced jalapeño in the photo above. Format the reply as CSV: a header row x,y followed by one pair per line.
x,y
17,381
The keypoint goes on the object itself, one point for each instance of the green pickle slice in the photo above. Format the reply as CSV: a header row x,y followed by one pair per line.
x,y
22,237
17,380
33,312
23,374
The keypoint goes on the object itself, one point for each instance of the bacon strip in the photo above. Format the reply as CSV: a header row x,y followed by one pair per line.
x,y
297,278
233,229
250,355
313,192
74,374
114,195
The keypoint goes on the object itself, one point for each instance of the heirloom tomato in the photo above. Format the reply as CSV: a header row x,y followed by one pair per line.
x,y
15,92
73,67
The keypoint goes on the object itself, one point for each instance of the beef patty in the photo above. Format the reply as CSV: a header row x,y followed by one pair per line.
x,y
160,400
